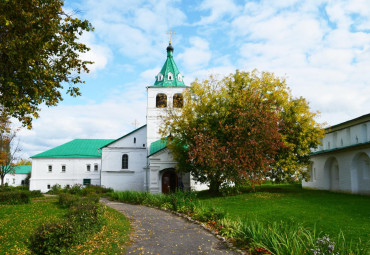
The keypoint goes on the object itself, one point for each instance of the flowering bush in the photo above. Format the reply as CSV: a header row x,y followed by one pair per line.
x,y
324,246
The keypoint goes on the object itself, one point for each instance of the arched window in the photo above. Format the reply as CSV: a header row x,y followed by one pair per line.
x,y
170,76
161,100
160,77
178,100
124,161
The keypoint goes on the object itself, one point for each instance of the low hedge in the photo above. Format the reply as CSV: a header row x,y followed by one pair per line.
x,y
53,238
78,189
85,216
15,197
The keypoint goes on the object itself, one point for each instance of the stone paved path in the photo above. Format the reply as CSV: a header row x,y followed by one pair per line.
x,y
159,232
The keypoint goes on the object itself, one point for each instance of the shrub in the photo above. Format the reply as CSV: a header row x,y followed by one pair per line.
x,y
36,193
53,238
94,189
55,189
75,189
6,188
206,214
66,200
15,197
86,215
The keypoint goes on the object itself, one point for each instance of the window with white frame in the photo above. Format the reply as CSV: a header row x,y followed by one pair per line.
x,y
63,168
50,168
160,77
124,161
170,76
88,167
179,77
96,167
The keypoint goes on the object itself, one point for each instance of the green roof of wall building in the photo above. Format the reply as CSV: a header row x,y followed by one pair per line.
x,y
78,148
157,146
23,169
169,67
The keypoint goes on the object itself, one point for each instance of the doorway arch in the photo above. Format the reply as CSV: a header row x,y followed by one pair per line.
x,y
169,181
360,173
332,173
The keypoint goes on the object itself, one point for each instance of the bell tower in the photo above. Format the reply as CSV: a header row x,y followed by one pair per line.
x,y
168,85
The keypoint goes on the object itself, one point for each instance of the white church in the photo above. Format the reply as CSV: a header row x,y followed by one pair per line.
x,y
136,161
140,160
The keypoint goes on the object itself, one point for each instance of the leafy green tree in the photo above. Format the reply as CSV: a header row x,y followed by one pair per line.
x,y
9,147
39,54
241,129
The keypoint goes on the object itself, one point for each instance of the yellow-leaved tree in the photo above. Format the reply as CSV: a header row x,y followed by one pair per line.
x,y
242,129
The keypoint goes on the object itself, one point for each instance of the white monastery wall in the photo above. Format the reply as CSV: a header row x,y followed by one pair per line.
x,y
15,179
76,170
344,162
133,177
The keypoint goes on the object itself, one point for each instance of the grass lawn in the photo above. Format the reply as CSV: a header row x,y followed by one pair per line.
x,y
330,212
17,223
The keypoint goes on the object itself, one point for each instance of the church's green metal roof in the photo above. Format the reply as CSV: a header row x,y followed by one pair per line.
x,y
157,146
78,148
22,169
161,80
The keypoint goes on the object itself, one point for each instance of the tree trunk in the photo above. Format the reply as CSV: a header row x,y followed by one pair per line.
x,y
214,186
2,180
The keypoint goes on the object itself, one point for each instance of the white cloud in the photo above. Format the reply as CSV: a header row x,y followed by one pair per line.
x,y
323,62
107,120
218,10
99,54
136,28
197,56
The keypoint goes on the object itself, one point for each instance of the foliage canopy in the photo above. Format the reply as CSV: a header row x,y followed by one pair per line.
x,y
39,51
241,129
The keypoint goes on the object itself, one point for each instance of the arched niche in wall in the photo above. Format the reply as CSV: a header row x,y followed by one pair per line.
x,y
331,174
360,173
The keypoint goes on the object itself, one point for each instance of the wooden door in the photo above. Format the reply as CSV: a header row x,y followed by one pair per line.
x,y
169,182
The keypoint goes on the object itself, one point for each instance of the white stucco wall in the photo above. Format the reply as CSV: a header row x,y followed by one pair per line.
x,y
132,178
76,171
14,179
342,168
154,114
158,163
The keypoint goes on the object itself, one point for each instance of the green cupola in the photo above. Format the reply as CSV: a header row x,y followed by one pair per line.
x,y
170,75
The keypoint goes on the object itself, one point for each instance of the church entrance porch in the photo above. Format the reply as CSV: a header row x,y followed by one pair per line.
x,y
170,181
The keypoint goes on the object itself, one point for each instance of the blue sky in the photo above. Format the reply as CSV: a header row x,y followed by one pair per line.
x,y
321,47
